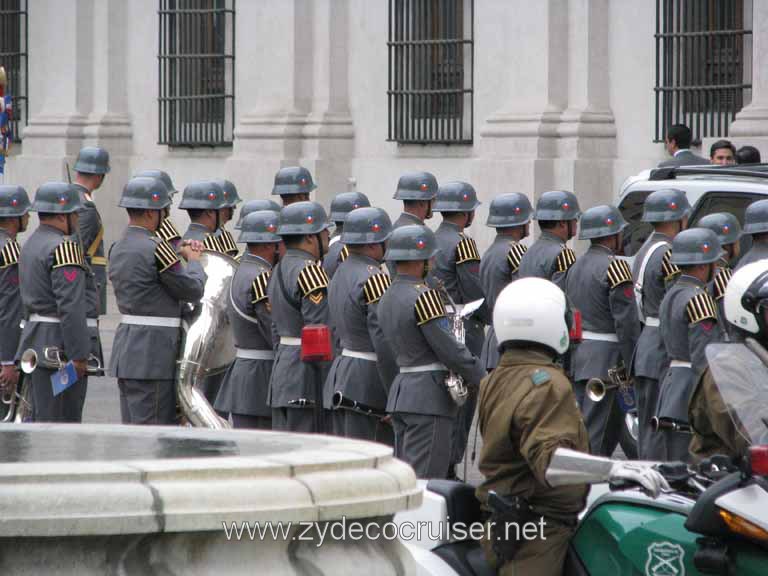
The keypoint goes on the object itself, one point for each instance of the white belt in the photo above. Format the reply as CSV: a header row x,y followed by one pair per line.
x,y
290,341
602,336
649,321
434,367
370,356
163,321
90,322
252,354
680,364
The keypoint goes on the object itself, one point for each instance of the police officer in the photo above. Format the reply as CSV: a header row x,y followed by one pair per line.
x,y
728,230
204,202
254,206
167,230
414,321
510,215
667,211
293,184
364,371
226,241
557,213
689,322
417,190
52,272
244,391
298,293
599,285
756,225
150,284
14,217
341,205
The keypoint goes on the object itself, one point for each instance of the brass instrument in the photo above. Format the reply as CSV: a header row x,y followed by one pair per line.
x,y
18,403
625,392
54,359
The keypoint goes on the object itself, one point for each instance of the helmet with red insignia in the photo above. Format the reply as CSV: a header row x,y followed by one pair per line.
x,y
665,205
456,197
14,201
725,225
231,197
256,205
293,180
260,227
161,175
203,195
695,246
557,205
416,186
145,193
302,218
366,226
600,222
509,210
345,202
411,243
56,198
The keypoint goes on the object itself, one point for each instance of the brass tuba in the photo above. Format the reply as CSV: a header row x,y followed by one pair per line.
x,y
207,345
18,403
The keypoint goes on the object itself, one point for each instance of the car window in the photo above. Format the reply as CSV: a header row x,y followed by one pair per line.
x,y
637,232
732,202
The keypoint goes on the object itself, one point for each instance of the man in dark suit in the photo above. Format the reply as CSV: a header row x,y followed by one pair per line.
x,y
677,142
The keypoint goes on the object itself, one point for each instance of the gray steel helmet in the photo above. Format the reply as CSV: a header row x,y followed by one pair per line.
x,y
411,243
456,197
416,186
366,226
345,202
557,205
695,246
666,205
293,180
231,197
301,218
145,193
260,227
164,177
601,221
509,210
725,225
756,218
255,205
203,195
14,201
56,198
92,160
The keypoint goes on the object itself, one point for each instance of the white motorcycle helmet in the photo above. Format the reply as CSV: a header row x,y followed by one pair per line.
x,y
741,302
532,310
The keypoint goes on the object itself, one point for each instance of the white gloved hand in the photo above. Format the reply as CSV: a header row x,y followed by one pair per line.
x,y
649,479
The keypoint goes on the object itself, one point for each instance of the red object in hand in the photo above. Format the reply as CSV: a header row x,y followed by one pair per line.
x,y
575,332
316,343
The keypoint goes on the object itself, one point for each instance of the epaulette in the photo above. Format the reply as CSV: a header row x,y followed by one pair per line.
x,y
212,243
68,253
227,243
515,255
466,251
701,307
313,281
668,269
344,254
618,273
259,287
565,259
10,254
722,278
375,287
165,256
428,307
167,231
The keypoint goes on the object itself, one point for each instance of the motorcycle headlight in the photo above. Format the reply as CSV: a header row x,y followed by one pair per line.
x,y
742,527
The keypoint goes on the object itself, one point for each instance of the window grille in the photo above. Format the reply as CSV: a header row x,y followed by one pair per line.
x,y
13,57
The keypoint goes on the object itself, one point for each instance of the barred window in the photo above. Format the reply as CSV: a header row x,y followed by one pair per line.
x,y
196,72
13,57
703,54
431,56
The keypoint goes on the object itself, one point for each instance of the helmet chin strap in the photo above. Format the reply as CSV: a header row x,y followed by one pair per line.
x,y
320,248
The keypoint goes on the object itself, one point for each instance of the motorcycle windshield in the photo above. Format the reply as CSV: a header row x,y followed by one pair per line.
x,y
742,380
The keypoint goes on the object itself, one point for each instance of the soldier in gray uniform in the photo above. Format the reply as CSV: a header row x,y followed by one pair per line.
x,y
652,272
599,285
244,391
728,230
14,217
297,292
151,284
557,213
417,190
226,241
756,224
52,272
341,205
364,371
510,215
414,321
293,184
689,322
167,230
255,206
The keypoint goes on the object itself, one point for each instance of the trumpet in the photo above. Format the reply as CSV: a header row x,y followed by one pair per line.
x,y
54,359
340,401
619,381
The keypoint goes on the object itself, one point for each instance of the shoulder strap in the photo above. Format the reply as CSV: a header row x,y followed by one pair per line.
x,y
237,310
91,252
641,277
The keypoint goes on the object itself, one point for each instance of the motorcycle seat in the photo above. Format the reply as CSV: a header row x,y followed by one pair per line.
x,y
461,503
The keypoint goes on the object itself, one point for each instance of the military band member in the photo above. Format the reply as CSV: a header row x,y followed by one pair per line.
x,y
557,213
341,205
224,237
14,217
298,292
151,284
293,184
254,206
510,215
728,230
244,391
689,322
667,211
364,371
599,285
52,272
417,190
414,321
167,230
756,225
